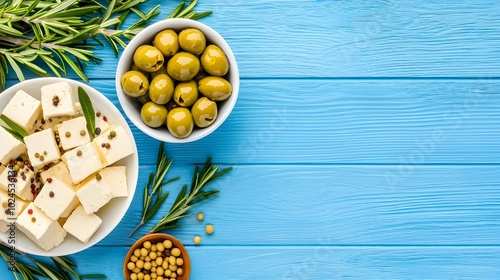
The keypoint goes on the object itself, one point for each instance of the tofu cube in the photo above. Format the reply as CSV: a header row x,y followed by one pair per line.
x,y
10,207
59,171
41,229
82,225
73,133
94,193
116,179
56,199
82,162
10,148
42,148
23,109
20,181
113,148
57,100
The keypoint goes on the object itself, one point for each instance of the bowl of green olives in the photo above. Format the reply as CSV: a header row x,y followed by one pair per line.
x,y
177,80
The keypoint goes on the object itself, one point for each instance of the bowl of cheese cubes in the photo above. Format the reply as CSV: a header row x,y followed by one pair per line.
x,y
63,188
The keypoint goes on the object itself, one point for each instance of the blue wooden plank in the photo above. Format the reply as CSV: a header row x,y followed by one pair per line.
x,y
351,38
402,122
317,262
346,205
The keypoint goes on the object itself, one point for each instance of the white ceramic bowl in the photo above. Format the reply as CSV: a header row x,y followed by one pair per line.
x,y
112,213
132,107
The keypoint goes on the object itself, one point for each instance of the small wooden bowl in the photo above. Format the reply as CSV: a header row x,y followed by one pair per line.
x,y
155,238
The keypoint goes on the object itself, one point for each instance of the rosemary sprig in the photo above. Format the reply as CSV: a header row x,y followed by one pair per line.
x,y
88,110
50,35
187,198
154,185
61,269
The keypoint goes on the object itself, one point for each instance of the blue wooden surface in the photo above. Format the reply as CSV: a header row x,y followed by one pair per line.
x,y
364,142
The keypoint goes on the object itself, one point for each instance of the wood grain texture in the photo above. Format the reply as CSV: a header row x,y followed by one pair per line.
x,y
385,38
344,122
337,205
364,141
314,262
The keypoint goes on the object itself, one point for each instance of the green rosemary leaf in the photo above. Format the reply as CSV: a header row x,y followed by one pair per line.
x,y
15,127
51,273
188,9
177,9
201,15
113,45
128,5
15,67
156,206
7,30
78,12
93,276
58,8
109,10
78,70
64,265
68,261
88,110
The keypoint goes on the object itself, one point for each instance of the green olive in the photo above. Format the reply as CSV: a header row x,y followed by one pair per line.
x,y
180,122
167,42
153,115
134,83
215,88
144,99
161,89
214,61
204,112
162,70
135,68
183,66
148,58
186,93
192,40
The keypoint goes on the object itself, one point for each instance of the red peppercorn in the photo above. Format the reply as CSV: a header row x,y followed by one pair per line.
x,y
30,211
49,180
105,119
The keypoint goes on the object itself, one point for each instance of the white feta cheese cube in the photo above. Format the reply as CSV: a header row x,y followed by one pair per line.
x,y
10,207
56,199
114,144
41,229
42,148
82,161
19,180
82,225
41,123
116,179
73,133
94,193
10,148
23,109
101,122
59,171
78,109
57,100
